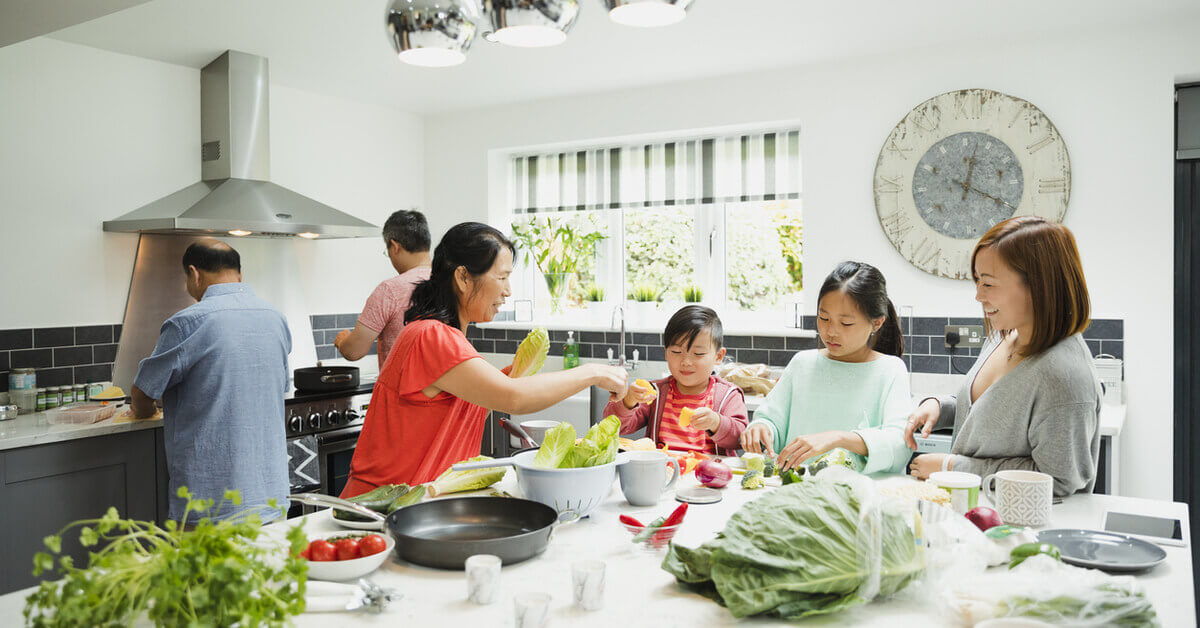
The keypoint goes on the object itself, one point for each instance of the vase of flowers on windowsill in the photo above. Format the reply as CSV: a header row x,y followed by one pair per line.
x,y
558,246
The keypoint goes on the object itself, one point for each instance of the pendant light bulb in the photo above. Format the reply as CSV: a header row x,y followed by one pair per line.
x,y
647,13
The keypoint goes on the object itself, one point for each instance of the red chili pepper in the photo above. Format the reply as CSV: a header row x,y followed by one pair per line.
x,y
630,521
675,518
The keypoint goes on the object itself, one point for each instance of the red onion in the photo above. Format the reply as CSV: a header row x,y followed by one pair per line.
x,y
713,473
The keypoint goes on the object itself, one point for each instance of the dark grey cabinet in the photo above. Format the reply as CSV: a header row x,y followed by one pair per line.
x,y
44,487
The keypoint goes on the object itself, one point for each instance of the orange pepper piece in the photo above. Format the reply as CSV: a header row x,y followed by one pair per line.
x,y
685,417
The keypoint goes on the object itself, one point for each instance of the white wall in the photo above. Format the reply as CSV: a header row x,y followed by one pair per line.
x,y
1109,93
87,135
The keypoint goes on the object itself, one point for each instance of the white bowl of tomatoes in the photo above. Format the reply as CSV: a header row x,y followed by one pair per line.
x,y
346,556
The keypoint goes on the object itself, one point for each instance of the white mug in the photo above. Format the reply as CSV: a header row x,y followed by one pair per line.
x,y
1021,497
643,474
962,486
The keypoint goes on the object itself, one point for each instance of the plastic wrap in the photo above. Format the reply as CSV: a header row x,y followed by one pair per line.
x,y
1044,589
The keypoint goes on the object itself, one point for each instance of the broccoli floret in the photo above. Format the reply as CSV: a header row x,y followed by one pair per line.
x,y
791,476
754,462
752,480
768,468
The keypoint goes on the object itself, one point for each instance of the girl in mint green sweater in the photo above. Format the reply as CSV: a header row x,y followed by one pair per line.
x,y
852,394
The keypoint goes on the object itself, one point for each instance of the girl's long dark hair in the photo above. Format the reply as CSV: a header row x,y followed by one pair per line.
x,y
866,285
472,245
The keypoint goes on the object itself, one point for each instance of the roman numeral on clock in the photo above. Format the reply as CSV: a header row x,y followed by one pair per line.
x,y
896,224
928,118
969,105
926,252
890,185
1051,186
1040,144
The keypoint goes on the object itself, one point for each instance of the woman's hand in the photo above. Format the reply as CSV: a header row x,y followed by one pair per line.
x,y
804,447
924,464
706,419
610,378
923,419
755,437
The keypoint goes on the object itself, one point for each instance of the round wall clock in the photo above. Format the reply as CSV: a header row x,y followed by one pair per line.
x,y
961,162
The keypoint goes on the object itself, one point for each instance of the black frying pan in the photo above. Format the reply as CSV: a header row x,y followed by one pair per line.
x,y
442,533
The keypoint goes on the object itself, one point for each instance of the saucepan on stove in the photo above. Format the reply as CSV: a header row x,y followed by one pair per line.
x,y
442,533
325,378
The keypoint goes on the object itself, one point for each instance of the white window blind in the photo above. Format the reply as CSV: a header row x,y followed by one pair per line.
x,y
748,167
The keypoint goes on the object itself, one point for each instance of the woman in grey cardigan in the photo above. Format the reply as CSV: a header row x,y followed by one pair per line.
x,y
1032,399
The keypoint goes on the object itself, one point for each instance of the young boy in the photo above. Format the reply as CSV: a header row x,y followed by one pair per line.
x,y
717,407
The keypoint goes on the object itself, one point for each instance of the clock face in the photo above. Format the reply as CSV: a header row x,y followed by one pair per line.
x,y
961,162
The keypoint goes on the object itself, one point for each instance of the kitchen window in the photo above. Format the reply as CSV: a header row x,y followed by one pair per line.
x,y
718,215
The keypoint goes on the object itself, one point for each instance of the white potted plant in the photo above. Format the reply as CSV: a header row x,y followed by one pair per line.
x,y
644,306
598,309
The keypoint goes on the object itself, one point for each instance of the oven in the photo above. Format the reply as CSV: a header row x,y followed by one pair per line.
x,y
322,432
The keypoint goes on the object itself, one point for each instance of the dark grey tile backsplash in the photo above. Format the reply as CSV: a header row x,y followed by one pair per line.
x,y
78,355
62,355
325,329
924,347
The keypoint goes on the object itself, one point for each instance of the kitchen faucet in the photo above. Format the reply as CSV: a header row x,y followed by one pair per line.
x,y
620,361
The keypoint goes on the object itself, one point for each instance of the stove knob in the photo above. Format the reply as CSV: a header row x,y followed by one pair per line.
x,y
314,420
350,415
295,424
334,417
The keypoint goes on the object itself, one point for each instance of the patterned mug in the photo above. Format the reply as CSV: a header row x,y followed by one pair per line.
x,y
1021,497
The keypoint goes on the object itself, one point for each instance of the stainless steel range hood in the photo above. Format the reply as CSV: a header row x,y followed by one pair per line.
x,y
235,195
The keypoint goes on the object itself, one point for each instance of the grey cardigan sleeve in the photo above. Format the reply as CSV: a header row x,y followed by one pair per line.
x,y
1061,438
946,411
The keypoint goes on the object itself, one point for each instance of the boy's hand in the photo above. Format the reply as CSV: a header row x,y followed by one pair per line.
x,y
634,396
705,419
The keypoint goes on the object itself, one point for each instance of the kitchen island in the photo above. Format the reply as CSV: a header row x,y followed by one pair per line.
x,y
640,593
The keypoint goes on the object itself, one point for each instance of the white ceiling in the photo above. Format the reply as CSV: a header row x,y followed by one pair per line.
x,y
339,48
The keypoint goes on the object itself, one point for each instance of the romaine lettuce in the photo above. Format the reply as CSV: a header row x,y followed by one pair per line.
x,y
531,353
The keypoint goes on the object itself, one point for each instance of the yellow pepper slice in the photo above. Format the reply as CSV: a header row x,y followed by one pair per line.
x,y
685,417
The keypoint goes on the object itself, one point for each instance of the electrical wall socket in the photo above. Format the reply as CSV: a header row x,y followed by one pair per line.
x,y
969,336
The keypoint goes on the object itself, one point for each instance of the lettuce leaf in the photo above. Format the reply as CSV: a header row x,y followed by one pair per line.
x,y
452,481
531,353
599,445
556,446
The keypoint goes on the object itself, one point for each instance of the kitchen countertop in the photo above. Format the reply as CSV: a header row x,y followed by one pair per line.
x,y
37,429
636,581
639,593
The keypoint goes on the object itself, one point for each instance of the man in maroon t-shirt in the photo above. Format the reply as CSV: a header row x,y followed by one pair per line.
x,y
406,234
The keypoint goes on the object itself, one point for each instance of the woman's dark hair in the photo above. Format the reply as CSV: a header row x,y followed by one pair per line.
x,y
1044,254
866,285
688,322
471,245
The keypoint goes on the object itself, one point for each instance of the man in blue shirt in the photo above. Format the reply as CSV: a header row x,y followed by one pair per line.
x,y
221,371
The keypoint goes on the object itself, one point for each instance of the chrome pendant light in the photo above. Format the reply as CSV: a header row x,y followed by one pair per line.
x,y
531,23
432,33
647,13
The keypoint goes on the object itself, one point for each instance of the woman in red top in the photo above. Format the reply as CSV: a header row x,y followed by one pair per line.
x,y
434,392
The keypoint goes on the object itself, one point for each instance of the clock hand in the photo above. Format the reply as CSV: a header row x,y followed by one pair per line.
x,y
966,187
970,171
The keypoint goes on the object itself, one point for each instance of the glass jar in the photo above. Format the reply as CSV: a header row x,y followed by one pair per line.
x,y
41,399
67,395
53,397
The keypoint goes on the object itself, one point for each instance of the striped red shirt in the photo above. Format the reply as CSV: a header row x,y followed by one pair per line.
x,y
676,436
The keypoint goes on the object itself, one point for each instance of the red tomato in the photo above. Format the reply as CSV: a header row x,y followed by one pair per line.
x,y
371,544
322,550
305,554
347,549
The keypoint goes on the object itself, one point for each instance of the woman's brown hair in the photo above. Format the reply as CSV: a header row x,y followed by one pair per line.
x,y
1044,254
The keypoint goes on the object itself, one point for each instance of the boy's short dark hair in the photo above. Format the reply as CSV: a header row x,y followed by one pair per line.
x,y
212,257
409,229
688,322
